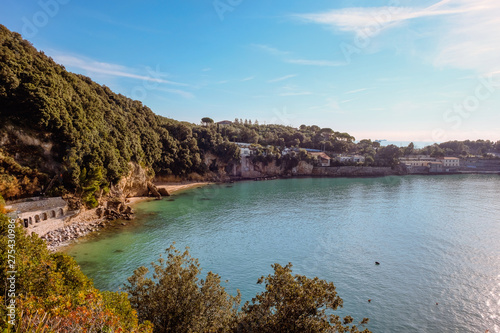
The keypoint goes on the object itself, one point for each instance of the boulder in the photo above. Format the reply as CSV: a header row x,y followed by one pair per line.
x,y
164,192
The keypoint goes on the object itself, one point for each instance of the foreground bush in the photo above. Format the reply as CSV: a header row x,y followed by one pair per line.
x,y
175,300
53,295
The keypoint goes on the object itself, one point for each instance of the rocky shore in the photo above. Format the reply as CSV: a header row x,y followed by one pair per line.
x,y
93,220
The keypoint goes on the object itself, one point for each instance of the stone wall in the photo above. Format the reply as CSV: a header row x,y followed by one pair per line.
x,y
249,170
36,211
353,171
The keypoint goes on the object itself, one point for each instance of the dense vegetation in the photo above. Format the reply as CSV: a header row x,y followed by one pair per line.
x,y
53,295
52,291
91,133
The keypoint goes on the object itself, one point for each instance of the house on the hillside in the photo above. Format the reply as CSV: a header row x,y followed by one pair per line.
x,y
350,158
224,123
323,159
245,149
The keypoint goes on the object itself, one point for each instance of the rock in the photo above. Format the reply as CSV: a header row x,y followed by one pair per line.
x,y
164,192
153,190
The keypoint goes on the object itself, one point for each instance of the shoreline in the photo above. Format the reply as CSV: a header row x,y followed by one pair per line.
x,y
60,234
172,188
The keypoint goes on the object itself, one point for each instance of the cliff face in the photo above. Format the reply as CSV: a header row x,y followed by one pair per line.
x,y
135,183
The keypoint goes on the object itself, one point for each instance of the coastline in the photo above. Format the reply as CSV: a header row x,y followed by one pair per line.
x,y
59,234
171,188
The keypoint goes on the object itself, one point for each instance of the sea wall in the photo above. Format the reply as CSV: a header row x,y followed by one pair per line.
x,y
247,169
354,171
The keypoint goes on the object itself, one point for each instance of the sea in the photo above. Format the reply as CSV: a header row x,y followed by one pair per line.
x,y
437,239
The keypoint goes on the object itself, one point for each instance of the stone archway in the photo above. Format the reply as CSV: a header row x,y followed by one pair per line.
x,y
37,218
44,216
52,213
61,212
30,219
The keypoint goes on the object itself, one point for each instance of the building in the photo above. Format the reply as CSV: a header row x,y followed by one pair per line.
x,y
245,149
358,159
323,159
435,167
224,123
417,160
350,158
450,162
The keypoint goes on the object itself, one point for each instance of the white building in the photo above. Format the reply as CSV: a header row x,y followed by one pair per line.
x,y
450,162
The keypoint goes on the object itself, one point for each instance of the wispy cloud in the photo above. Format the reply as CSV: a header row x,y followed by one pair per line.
x,y
270,49
182,93
283,78
108,69
248,78
287,57
308,62
462,36
359,18
355,91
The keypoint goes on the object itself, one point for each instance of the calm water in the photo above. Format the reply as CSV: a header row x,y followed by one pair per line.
x,y
437,239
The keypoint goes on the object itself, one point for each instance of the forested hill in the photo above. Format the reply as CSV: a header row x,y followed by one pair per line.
x,y
56,123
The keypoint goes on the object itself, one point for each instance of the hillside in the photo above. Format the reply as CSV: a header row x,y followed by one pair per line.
x,y
65,130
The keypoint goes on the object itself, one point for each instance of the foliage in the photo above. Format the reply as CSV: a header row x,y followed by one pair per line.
x,y
294,303
175,300
53,295
93,133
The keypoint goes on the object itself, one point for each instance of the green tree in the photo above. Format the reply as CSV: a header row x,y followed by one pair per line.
x,y
410,149
207,121
175,300
294,303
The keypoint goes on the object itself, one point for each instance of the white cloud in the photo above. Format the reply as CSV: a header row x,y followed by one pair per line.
x,y
361,20
283,78
182,93
464,33
248,78
308,62
108,69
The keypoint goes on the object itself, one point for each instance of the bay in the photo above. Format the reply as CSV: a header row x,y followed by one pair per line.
x,y
436,238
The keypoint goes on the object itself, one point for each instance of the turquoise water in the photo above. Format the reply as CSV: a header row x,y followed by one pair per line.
x,y
437,239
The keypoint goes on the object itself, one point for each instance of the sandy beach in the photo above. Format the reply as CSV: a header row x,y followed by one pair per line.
x,y
172,188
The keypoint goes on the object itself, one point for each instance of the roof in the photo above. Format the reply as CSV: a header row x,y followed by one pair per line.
x,y
225,122
321,155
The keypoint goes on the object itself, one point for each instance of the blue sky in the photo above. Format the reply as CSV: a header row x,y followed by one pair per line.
x,y
393,69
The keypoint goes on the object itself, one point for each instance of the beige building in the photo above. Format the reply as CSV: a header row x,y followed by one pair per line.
x,y
450,162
